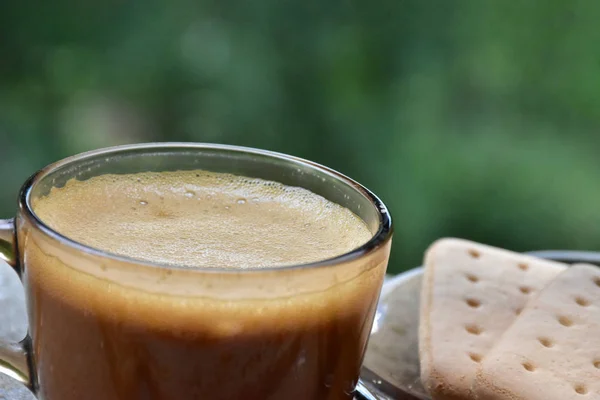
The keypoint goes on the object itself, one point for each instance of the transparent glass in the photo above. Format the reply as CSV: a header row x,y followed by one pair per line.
x,y
104,326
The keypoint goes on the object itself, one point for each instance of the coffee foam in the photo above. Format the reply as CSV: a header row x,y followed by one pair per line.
x,y
201,219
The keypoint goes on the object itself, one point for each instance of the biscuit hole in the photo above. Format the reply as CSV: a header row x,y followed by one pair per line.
x,y
581,389
472,278
475,254
473,303
597,364
473,329
525,289
582,302
475,357
565,321
523,266
528,366
597,281
518,311
546,342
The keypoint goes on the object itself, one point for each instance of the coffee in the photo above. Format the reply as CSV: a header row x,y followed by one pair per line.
x,y
202,219
97,339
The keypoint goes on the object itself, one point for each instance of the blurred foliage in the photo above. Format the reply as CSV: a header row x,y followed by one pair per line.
x,y
475,119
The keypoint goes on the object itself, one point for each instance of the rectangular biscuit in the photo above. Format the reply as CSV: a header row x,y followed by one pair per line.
x,y
552,351
471,294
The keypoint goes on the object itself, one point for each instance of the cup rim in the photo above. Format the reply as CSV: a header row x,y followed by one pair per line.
x,y
379,239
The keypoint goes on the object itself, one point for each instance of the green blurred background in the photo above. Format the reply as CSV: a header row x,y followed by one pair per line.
x,y
476,119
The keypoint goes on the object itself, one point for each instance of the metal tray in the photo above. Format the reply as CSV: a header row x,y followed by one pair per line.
x,y
391,368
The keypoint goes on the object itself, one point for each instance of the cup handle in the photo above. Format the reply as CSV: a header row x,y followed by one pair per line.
x,y
14,357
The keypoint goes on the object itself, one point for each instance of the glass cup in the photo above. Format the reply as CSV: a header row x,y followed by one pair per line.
x,y
104,326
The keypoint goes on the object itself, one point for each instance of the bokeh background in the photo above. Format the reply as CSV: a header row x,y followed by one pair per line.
x,y
470,118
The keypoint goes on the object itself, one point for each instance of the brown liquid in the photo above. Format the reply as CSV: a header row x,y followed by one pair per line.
x,y
96,339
